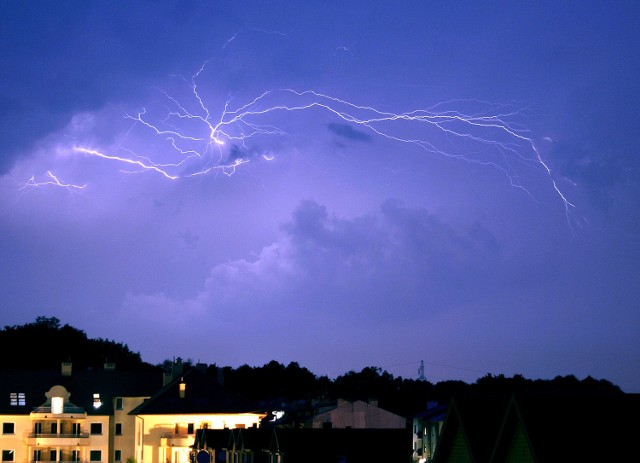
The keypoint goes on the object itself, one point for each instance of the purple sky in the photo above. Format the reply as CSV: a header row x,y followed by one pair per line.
x,y
339,184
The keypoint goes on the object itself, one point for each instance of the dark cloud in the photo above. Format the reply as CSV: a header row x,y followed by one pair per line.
x,y
397,250
462,261
348,132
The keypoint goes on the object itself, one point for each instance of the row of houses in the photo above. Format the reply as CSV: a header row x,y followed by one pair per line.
x,y
112,416
188,416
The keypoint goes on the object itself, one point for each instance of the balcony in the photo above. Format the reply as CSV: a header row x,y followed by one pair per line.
x,y
52,440
67,412
169,439
58,461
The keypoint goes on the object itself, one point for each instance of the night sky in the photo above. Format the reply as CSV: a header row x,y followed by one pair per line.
x,y
341,184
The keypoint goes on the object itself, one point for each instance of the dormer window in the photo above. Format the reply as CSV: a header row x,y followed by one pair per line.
x,y
97,403
183,389
57,405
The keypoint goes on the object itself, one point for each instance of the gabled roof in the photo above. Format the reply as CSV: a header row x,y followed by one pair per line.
x,y
434,412
570,427
82,385
360,414
306,445
203,394
470,427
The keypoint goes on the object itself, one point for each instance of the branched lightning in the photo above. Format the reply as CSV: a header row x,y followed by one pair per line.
x,y
53,180
199,141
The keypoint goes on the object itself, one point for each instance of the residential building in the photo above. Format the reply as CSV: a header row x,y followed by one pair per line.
x,y
358,414
109,416
302,445
167,422
70,416
427,427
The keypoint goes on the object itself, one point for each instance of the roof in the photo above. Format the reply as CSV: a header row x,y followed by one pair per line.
x,y
313,445
477,418
541,427
434,412
82,385
565,427
204,394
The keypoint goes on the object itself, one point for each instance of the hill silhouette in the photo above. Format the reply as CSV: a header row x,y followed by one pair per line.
x,y
45,344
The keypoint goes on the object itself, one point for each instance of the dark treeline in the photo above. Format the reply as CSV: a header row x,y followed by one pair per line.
x,y
44,344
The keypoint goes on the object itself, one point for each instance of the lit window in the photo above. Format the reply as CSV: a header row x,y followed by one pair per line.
x,y
17,399
97,403
57,405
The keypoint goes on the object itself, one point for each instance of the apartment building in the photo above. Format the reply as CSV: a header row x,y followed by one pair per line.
x,y
109,416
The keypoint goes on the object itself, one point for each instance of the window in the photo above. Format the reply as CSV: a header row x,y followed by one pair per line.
x,y
96,428
118,429
57,405
118,403
8,428
54,428
7,455
75,455
118,455
53,455
37,428
37,455
190,428
95,455
17,399
97,403
75,428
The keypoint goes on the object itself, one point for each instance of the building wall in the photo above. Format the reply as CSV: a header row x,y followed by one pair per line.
x,y
98,441
359,415
16,441
126,441
146,439
165,438
24,427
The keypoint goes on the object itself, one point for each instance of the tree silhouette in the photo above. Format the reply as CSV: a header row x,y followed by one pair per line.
x,y
45,344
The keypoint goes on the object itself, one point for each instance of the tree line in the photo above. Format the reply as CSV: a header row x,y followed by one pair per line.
x,y
273,383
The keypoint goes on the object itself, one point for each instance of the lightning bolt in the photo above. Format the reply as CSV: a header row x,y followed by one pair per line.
x,y
53,180
200,141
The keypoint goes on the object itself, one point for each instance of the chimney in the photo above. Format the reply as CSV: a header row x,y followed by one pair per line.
x,y
183,388
66,369
202,367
